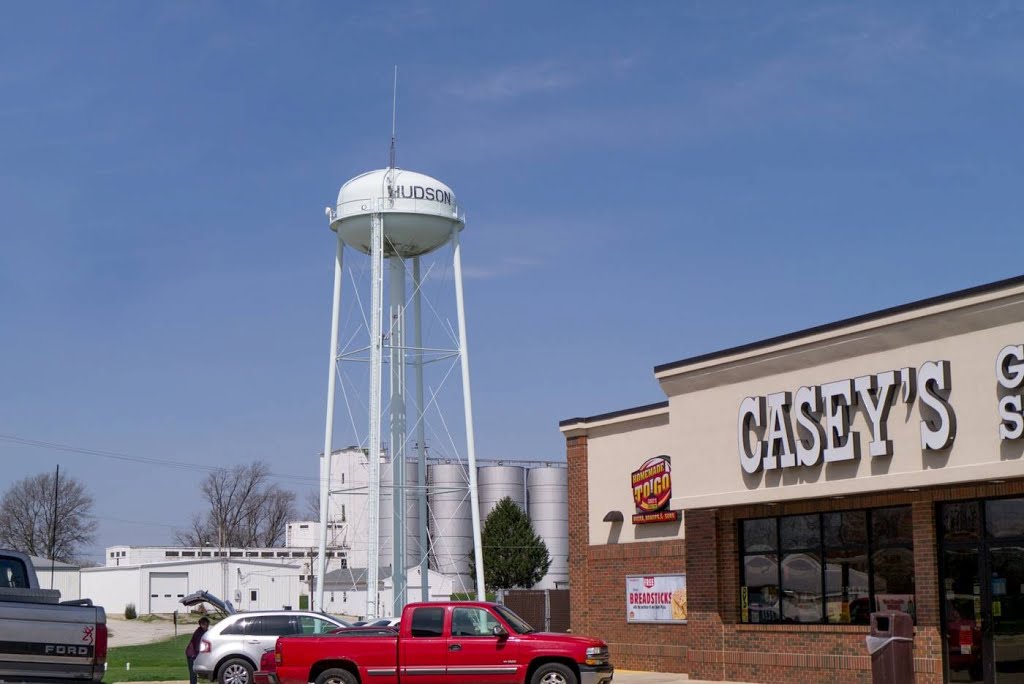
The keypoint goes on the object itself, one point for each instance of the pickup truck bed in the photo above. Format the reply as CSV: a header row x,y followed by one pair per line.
x,y
42,639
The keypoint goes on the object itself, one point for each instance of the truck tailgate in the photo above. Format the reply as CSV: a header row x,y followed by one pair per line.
x,y
49,641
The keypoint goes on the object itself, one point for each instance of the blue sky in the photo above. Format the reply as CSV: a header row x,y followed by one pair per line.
x,y
644,182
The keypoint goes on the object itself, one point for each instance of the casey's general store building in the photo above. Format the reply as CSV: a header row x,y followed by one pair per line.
x,y
747,527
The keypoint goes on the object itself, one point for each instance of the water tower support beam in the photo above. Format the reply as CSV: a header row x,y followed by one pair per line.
x,y
421,429
467,403
376,363
396,366
325,461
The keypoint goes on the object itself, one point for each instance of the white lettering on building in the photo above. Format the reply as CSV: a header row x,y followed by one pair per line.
x,y
1010,374
938,427
824,414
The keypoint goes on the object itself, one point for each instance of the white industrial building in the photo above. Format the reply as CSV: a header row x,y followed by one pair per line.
x,y
157,587
153,578
64,577
117,556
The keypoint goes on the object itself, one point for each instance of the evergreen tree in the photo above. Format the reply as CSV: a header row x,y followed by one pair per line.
x,y
514,556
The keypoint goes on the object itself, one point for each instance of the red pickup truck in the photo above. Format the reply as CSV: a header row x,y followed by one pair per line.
x,y
443,643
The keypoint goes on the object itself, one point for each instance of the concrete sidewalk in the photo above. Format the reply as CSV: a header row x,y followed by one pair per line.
x,y
634,677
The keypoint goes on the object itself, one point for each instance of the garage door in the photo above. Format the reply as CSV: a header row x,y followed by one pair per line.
x,y
165,588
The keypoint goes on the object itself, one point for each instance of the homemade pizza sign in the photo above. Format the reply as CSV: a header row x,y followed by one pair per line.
x,y
652,491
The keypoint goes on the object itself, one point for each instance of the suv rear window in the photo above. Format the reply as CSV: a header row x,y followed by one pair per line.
x,y
428,622
239,626
277,625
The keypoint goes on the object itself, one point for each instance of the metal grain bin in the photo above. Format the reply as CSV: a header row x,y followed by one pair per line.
x,y
547,490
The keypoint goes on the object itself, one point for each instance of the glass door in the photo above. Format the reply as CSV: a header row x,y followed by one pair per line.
x,y
1004,532
962,610
982,584
1007,610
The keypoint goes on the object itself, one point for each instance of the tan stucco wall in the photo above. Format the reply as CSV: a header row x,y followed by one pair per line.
x,y
703,429
614,451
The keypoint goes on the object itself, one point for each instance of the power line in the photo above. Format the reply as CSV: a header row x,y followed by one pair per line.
x,y
119,456
130,522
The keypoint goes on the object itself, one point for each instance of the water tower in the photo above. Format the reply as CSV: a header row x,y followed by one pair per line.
x,y
395,217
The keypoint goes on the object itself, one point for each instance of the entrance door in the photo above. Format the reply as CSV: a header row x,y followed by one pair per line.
x,y
982,585
1007,609
962,621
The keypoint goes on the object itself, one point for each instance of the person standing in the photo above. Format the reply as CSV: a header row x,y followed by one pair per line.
x,y
192,650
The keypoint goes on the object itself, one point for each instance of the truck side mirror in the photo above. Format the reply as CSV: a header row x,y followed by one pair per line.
x,y
499,631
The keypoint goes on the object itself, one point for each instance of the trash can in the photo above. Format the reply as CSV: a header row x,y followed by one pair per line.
x,y
891,645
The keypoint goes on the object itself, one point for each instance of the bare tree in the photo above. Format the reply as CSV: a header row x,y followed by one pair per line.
x,y
243,509
313,504
272,516
27,515
198,533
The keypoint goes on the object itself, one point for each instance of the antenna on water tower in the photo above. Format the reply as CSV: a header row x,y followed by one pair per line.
x,y
394,118
394,216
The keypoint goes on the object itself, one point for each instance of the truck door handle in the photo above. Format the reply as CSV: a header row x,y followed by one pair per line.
x,y
455,647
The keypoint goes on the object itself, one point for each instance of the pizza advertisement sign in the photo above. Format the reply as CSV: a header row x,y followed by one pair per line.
x,y
652,491
656,598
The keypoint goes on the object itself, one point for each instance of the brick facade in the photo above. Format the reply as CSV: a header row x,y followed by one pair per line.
x,y
714,644
598,585
579,534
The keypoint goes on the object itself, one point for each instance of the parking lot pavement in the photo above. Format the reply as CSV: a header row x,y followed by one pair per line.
x,y
621,677
134,632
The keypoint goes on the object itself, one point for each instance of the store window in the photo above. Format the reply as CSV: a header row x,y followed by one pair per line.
x,y
847,589
827,567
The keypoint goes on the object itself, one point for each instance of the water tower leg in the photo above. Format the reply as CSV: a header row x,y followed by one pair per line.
x,y
373,459
396,365
467,402
421,429
325,462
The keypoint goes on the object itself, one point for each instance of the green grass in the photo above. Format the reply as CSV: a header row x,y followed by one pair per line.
x,y
159,661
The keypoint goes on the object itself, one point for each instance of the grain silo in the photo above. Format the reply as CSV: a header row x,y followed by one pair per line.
x,y
498,481
412,515
547,491
451,522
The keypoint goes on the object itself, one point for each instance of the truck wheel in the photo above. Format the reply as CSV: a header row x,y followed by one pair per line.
x,y
336,676
235,671
552,673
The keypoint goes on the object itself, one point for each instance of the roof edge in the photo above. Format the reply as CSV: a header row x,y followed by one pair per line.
x,y
613,414
845,322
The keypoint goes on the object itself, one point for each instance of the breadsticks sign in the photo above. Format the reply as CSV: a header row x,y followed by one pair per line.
x,y
652,491
656,598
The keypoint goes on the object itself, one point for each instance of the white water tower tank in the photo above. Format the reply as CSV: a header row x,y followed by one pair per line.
x,y
420,212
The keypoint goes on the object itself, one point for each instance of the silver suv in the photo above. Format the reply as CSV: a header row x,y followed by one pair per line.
x,y
231,649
